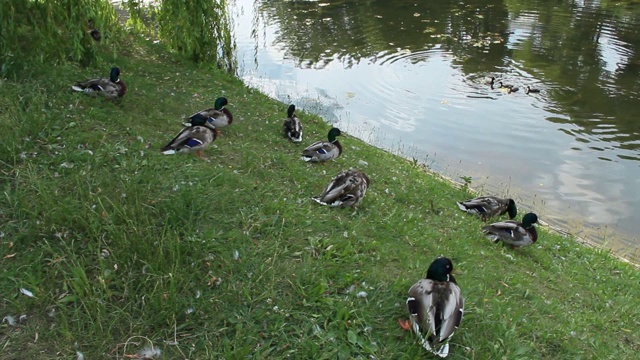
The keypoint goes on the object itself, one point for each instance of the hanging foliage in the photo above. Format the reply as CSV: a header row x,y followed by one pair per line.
x,y
48,31
53,30
199,29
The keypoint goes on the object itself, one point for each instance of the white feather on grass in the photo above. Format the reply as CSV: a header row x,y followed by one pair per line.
x,y
9,320
150,352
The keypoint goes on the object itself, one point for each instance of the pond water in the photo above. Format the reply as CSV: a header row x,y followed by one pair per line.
x,y
410,77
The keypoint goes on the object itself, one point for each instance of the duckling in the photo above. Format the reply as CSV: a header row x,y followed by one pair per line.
x,y
528,90
509,88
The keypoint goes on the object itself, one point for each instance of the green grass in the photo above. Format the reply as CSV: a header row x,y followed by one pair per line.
x,y
118,242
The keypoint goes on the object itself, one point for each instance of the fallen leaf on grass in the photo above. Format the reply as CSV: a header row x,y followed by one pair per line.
x,y
10,256
214,281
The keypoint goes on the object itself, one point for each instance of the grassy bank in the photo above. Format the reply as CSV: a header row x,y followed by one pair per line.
x,y
232,259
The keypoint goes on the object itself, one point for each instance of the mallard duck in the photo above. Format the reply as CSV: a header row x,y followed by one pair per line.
x,y
218,115
490,80
435,307
192,139
508,88
292,126
346,189
95,33
322,151
529,90
502,85
111,88
514,233
486,207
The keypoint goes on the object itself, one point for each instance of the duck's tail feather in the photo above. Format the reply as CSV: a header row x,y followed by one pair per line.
x,y
442,351
491,236
317,199
294,138
77,88
169,152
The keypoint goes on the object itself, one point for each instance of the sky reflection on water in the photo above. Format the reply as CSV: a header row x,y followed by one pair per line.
x,y
569,153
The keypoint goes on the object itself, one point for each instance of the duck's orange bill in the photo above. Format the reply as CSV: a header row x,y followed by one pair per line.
x,y
404,324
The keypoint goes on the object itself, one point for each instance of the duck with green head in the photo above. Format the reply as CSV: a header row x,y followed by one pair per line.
x,y
292,126
514,233
435,306
218,116
111,88
322,151
192,139
486,207
346,189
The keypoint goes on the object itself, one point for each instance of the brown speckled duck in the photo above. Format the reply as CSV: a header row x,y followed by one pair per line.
x,y
292,126
346,189
486,207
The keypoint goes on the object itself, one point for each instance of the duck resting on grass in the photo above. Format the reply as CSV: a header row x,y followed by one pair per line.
x,y
218,115
514,233
346,189
95,33
111,88
322,151
486,207
192,139
292,126
435,307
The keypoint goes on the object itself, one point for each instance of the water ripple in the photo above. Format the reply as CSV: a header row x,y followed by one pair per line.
x,y
414,80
